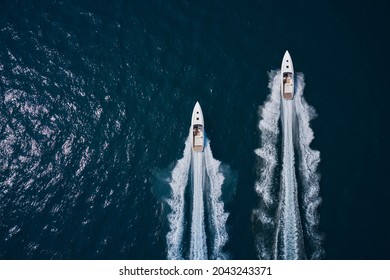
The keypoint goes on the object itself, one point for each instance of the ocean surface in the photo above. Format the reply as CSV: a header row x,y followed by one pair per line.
x,y
96,100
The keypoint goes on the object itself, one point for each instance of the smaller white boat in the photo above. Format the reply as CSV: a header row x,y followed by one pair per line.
x,y
197,125
287,79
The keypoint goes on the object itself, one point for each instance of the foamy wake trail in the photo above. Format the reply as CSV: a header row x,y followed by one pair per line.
x,y
178,185
280,233
198,247
289,235
309,160
218,216
264,216
206,183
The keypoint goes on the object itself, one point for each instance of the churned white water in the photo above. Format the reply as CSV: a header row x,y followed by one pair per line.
x,y
201,172
287,213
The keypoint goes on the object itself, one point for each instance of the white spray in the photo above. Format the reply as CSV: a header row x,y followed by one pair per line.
x,y
279,191
206,182
178,184
309,160
264,217
217,213
198,247
289,235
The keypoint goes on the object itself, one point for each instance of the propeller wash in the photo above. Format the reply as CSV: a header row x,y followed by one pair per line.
x,y
286,221
196,188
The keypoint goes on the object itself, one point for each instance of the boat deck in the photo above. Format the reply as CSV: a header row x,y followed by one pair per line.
x,y
198,140
288,87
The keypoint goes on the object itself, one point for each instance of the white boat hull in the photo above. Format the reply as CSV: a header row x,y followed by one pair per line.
x,y
287,77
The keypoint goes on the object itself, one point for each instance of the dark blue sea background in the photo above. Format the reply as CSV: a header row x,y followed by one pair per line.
x,y
97,95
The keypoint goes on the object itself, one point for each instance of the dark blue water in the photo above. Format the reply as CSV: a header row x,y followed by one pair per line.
x,y
96,95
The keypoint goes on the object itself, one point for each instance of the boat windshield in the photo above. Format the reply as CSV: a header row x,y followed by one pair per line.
x,y
198,129
287,77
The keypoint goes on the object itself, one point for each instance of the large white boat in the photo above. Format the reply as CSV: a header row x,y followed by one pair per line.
x,y
197,125
287,77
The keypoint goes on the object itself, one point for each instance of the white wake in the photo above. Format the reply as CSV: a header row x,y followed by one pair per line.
x,y
280,232
308,164
178,183
217,213
264,216
198,247
289,235
206,204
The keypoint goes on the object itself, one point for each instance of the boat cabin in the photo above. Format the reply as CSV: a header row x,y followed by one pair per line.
x,y
288,86
198,138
